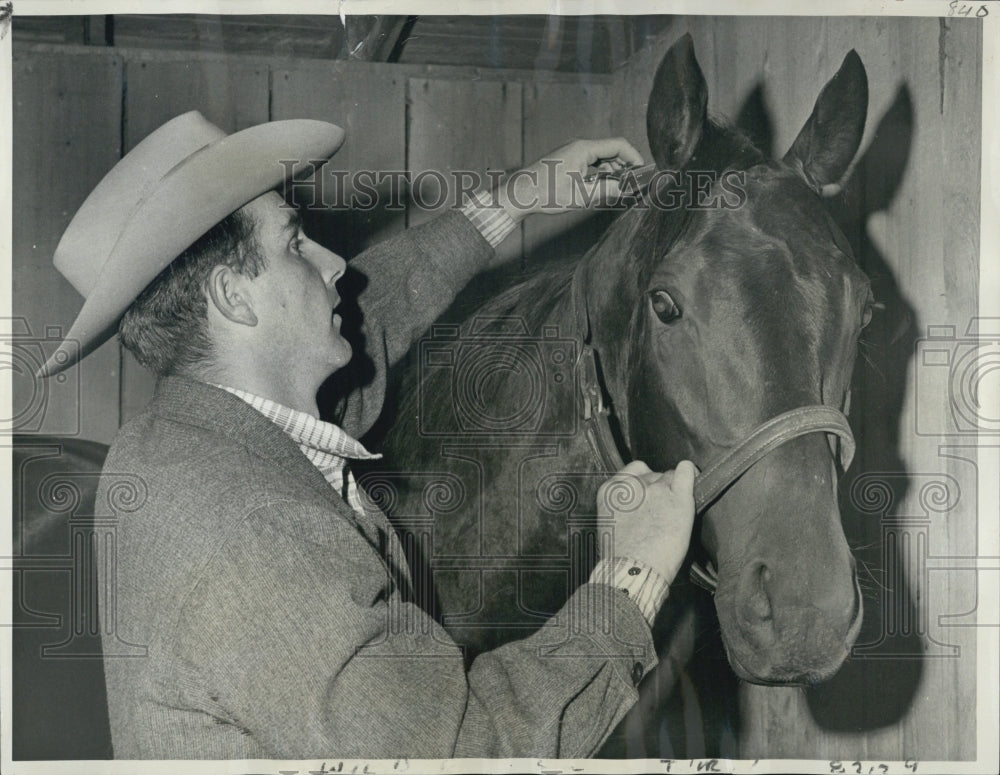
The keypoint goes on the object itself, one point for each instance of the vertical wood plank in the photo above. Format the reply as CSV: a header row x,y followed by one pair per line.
x,y
369,101
66,135
231,94
463,125
547,106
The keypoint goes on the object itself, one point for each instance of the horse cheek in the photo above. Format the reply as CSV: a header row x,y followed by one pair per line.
x,y
653,422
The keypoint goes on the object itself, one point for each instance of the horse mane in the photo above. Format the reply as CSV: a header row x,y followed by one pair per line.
x,y
533,295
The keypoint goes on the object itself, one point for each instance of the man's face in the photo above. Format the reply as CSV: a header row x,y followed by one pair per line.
x,y
294,296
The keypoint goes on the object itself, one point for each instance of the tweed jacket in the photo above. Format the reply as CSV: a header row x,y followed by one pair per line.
x,y
277,621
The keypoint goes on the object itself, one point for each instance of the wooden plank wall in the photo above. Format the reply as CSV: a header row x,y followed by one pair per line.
x,y
67,134
78,109
911,211
462,125
582,108
369,101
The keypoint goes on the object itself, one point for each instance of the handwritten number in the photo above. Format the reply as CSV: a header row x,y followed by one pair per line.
x,y
955,8
910,765
836,767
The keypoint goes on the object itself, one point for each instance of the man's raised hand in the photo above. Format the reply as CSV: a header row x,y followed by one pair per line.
x,y
559,181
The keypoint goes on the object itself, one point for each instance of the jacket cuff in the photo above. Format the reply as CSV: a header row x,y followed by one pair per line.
x,y
601,621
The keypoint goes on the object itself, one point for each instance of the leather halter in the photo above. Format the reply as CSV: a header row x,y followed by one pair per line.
x,y
721,472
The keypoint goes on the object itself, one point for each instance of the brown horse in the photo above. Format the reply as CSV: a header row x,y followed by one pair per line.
x,y
706,311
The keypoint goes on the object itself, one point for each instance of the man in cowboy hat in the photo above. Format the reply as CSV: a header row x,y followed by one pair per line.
x,y
273,602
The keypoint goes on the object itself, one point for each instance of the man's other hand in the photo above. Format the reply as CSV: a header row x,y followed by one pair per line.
x,y
653,514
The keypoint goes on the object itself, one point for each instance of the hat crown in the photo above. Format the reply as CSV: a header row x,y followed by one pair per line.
x,y
91,235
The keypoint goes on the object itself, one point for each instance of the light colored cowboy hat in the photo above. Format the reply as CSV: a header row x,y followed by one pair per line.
x,y
162,196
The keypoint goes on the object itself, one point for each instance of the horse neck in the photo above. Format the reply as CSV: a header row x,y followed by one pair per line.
x,y
543,310
565,317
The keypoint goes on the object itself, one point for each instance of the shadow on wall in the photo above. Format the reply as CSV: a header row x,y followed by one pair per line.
x,y
876,686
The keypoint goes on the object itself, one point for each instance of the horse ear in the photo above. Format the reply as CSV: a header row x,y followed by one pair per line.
x,y
830,138
678,104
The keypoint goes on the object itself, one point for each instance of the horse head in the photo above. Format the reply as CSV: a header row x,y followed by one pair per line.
x,y
738,299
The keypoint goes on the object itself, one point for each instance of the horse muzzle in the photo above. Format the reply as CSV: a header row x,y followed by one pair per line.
x,y
791,647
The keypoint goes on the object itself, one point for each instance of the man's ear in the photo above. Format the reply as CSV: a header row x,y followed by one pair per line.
x,y
228,293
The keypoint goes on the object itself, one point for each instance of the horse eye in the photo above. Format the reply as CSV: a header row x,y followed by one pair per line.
x,y
664,306
870,307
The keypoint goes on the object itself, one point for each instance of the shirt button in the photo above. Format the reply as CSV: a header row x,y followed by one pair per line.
x,y
634,571
637,671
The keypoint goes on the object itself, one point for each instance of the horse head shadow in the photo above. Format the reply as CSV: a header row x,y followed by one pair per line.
x,y
886,663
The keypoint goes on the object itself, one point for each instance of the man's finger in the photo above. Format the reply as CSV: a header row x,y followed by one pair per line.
x,y
612,148
684,476
636,468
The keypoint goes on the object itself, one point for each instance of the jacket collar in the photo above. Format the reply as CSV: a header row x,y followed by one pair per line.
x,y
190,402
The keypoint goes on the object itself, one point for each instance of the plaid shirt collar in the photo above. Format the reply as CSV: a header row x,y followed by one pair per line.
x,y
326,445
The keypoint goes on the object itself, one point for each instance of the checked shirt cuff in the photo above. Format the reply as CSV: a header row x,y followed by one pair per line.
x,y
488,217
641,583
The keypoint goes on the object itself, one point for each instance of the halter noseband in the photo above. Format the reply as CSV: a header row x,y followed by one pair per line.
x,y
723,471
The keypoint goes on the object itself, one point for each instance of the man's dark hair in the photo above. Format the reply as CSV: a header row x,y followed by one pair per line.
x,y
165,326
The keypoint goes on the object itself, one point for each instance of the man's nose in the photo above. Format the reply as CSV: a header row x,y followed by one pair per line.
x,y
330,265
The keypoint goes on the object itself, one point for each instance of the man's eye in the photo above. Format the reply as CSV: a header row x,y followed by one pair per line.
x,y
664,307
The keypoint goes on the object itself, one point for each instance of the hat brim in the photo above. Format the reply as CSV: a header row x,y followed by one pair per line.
x,y
190,199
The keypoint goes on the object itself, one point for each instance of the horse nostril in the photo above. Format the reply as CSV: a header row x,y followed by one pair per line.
x,y
758,600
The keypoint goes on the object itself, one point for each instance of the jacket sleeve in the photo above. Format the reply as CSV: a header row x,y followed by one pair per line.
x,y
409,280
296,635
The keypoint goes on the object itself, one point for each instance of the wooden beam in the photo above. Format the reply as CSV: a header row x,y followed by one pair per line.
x,y
377,38
99,30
